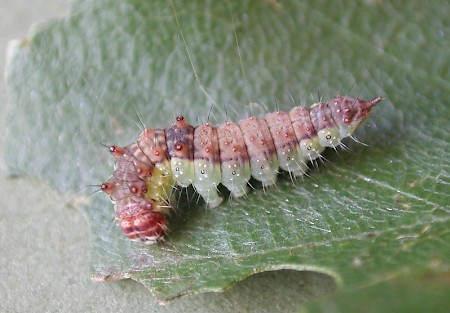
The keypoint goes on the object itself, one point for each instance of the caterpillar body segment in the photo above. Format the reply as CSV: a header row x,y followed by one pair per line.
x,y
325,126
290,157
305,133
152,142
207,165
180,139
234,159
261,150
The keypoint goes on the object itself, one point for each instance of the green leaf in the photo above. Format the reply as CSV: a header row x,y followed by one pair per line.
x,y
363,217
404,293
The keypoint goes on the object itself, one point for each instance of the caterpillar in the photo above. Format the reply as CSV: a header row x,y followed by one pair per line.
x,y
205,156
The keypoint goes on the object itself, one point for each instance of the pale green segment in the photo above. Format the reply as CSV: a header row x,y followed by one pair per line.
x,y
235,176
292,161
311,148
207,178
265,169
183,171
329,137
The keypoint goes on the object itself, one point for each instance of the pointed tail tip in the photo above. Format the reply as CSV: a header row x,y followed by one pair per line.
x,y
376,100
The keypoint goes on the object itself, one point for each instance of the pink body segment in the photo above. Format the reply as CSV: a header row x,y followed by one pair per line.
x,y
207,172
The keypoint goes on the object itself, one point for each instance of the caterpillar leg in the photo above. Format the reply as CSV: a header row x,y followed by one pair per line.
x,y
238,191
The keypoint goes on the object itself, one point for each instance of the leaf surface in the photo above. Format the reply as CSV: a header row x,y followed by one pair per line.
x,y
365,215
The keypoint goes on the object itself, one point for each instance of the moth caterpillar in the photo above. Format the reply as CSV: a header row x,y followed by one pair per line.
x,y
229,154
